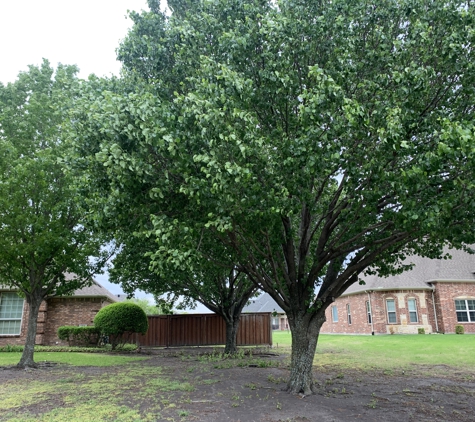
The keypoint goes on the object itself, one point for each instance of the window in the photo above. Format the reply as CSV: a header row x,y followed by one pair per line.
x,y
465,310
348,313
368,311
391,308
11,310
334,314
411,304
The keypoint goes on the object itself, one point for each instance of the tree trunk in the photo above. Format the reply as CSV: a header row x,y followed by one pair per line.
x,y
305,330
26,360
232,326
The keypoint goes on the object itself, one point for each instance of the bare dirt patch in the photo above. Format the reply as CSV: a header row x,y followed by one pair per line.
x,y
249,389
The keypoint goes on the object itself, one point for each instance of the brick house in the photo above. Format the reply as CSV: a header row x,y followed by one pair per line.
x,y
264,303
437,295
78,309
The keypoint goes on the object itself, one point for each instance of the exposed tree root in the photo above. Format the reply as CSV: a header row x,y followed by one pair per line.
x,y
29,365
306,390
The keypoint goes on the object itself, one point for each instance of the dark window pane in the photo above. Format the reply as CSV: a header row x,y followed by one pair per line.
x,y
460,305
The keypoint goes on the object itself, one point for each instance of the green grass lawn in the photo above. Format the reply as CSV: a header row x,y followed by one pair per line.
x,y
70,358
386,352
389,352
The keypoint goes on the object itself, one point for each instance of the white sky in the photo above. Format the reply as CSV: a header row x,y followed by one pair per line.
x,y
84,32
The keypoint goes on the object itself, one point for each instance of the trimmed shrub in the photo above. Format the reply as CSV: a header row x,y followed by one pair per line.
x,y
421,331
11,348
78,336
119,321
459,329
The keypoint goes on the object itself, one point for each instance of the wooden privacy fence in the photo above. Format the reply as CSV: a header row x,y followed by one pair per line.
x,y
204,330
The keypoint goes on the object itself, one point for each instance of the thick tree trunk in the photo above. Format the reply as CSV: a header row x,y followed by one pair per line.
x,y
26,360
305,330
232,326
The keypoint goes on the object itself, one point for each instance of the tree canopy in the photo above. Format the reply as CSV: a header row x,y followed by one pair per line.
x,y
42,232
317,140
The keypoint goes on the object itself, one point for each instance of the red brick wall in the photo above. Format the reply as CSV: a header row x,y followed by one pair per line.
x,y
70,311
445,295
359,324
359,319
55,313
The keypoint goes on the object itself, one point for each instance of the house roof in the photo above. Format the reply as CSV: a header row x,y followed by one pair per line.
x,y
263,303
94,290
425,271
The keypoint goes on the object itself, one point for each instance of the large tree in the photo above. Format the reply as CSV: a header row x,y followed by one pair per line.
x,y
185,262
316,139
42,232
208,276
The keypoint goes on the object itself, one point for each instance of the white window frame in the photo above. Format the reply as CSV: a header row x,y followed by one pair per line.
x,y
391,312
348,313
2,301
334,313
465,307
412,312
369,315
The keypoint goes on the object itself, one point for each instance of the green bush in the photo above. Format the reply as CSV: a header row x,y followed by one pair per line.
x,y
11,348
17,348
119,321
78,335
421,331
459,329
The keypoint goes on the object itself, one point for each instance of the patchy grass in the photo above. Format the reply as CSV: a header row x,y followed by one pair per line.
x,y
71,358
169,388
389,352
80,397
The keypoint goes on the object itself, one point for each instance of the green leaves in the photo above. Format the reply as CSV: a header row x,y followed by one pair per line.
x,y
312,140
43,233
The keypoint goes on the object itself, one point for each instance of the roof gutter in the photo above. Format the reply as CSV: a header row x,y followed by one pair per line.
x,y
449,280
388,289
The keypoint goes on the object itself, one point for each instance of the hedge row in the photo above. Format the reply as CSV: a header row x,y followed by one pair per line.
x,y
79,335
107,348
113,324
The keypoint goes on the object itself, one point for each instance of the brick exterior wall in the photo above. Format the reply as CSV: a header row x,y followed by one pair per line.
x,y
54,313
445,295
69,311
359,317
359,324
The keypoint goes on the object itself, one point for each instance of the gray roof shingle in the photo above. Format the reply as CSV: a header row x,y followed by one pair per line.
x,y
94,290
460,268
263,303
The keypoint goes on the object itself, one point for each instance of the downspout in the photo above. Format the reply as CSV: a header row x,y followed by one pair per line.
x,y
371,310
435,312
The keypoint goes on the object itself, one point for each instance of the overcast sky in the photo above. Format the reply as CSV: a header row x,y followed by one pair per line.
x,y
85,33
